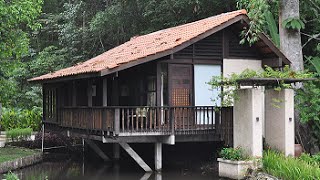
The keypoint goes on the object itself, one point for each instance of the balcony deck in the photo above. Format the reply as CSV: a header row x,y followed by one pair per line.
x,y
194,123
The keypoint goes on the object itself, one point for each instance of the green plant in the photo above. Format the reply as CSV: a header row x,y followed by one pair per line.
x,y
11,176
21,118
293,24
234,154
231,84
289,168
18,134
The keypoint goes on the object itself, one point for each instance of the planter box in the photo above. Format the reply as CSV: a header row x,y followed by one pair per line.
x,y
235,169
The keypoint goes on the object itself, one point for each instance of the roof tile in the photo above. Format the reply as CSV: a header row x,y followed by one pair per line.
x,y
142,46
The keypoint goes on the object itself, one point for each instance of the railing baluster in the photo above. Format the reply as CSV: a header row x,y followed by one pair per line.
x,y
122,117
137,119
127,119
132,125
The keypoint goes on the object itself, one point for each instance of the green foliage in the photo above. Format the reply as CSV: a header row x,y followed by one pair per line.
x,y
293,24
231,84
18,134
272,28
16,17
234,154
308,101
11,176
290,168
257,10
13,118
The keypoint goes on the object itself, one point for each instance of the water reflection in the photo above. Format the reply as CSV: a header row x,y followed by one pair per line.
x,y
69,169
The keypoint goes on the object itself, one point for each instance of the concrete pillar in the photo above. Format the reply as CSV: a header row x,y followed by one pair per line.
x,y
247,120
279,120
116,151
158,156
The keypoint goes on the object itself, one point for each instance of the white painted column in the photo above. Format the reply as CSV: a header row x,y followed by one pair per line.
x,y
158,156
247,120
279,120
116,151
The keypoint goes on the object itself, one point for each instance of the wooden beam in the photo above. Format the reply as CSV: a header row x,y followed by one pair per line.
x,y
94,147
74,94
89,91
66,78
146,176
105,92
135,156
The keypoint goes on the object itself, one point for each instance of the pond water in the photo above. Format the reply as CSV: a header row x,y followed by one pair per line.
x,y
90,166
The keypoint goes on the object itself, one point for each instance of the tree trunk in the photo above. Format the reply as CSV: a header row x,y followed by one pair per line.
x,y
290,40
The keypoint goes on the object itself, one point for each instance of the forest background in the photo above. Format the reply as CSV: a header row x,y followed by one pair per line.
x,y
41,36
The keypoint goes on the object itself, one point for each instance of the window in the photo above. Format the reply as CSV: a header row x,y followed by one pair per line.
x,y
50,104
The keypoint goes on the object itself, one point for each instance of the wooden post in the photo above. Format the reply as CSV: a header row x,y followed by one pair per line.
x,y
117,121
158,156
89,93
42,138
104,103
74,94
116,151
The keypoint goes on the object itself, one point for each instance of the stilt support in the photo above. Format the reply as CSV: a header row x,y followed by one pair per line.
x,y
97,150
116,151
158,156
135,156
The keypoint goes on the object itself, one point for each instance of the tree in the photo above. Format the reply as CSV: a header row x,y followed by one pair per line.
x,y
16,16
290,39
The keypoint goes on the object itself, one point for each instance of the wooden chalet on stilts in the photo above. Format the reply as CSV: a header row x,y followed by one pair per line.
x,y
152,89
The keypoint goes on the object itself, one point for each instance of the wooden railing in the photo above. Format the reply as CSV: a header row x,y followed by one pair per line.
x,y
166,120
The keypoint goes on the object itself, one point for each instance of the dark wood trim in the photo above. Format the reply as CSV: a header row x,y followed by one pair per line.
x,y
272,62
158,86
105,92
44,103
89,91
175,49
225,44
195,61
66,78
274,48
74,93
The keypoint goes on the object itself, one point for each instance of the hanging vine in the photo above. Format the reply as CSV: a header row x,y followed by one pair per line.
x,y
229,85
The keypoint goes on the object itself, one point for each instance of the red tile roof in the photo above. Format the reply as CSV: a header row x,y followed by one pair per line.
x,y
142,46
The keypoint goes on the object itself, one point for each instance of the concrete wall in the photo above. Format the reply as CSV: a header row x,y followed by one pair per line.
x,y
280,120
247,119
237,66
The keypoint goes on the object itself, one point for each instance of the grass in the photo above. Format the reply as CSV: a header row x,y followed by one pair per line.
x,y
12,153
18,133
290,168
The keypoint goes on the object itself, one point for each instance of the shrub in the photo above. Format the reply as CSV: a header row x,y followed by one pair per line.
x,y
234,154
18,134
11,176
290,168
21,118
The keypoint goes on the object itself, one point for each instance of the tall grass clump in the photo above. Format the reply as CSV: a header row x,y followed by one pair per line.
x,y
290,168
18,134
